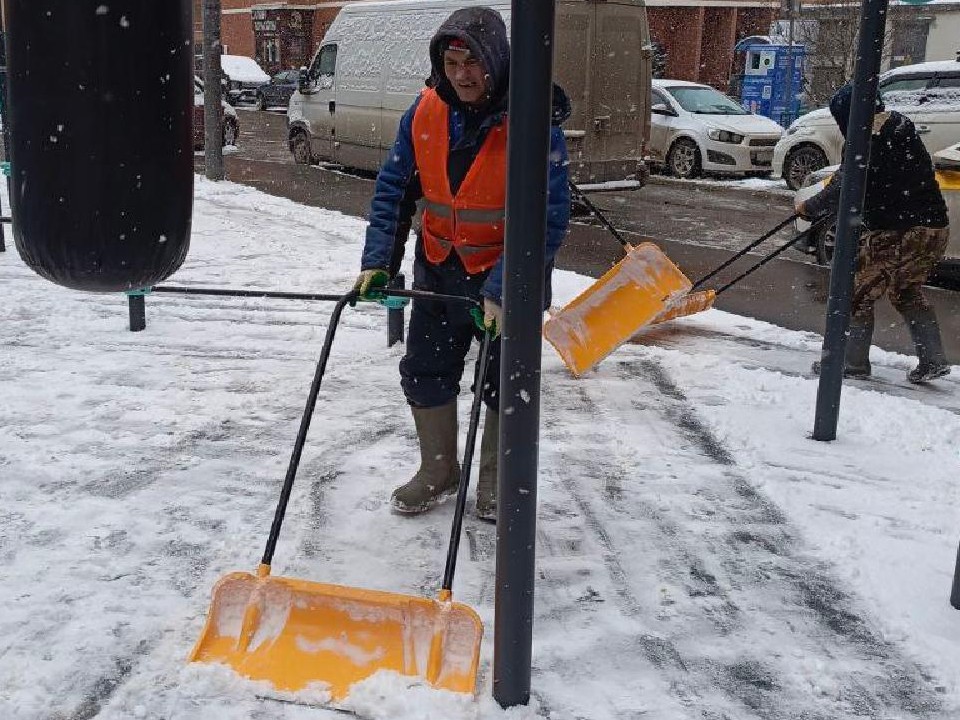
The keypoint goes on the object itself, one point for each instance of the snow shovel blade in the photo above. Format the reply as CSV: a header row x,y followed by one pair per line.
x,y
686,305
608,313
296,634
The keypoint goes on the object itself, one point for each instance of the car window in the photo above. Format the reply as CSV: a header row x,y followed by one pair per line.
x,y
949,82
898,84
705,101
657,98
291,76
325,64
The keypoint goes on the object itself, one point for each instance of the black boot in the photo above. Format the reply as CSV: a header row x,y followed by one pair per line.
x,y
857,359
439,472
487,481
926,338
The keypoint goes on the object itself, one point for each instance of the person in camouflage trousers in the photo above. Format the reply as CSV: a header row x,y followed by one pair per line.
x,y
904,236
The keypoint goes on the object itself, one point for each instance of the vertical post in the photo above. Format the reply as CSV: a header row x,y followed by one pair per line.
x,y
527,157
138,310
395,315
212,92
856,161
955,590
788,95
6,127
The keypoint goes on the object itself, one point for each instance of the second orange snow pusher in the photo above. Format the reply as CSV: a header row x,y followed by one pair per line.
x,y
303,635
643,289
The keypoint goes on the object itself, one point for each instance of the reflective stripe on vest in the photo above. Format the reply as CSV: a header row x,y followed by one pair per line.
x,y
472,222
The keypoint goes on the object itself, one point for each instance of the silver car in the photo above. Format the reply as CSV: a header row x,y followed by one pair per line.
x,y
695,128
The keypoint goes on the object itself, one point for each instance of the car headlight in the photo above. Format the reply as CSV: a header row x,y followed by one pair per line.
x,y
726,136
798,130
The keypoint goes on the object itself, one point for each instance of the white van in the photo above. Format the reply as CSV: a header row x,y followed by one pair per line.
x,y
374,60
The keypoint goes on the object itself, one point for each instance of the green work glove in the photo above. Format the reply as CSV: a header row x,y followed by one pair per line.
x,y
368,281
490,319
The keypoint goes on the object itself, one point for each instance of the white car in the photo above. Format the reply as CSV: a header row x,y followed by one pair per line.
x,y
928,93
695,128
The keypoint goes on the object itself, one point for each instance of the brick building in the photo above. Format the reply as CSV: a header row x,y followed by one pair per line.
x,y
697,35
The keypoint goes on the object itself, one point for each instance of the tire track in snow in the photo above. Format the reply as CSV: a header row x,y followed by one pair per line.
x,y
728,567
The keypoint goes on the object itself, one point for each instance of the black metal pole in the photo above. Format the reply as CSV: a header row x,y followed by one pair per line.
x,y
856,161
3,119
395,315
138,311
528,150
212,92
955,590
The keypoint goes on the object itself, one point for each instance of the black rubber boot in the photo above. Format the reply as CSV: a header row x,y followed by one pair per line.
x,y
439,472
857,359
487,481
925,332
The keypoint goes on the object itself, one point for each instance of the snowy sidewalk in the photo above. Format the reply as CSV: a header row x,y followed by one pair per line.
x,y
698,556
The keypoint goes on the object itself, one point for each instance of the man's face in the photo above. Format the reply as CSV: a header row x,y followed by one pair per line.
x,y
466,74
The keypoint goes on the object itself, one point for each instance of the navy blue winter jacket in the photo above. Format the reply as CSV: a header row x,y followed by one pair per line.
x,y
398,186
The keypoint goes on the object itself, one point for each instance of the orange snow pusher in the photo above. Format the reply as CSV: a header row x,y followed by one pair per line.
x,y
302,635
643,289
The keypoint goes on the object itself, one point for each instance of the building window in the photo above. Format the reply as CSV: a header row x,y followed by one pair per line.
x,y
271,50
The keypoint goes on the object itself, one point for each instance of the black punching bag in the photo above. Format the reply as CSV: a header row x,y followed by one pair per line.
x,y
101,110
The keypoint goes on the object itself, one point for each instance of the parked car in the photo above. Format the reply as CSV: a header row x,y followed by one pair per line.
x,y
928,93
228,118
695,128
243,77
277,92
947,164
356,89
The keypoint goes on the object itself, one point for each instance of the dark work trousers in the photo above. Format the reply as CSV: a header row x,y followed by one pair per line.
x,y
440,334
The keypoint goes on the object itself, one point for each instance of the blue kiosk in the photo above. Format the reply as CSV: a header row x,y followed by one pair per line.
x,y
767,81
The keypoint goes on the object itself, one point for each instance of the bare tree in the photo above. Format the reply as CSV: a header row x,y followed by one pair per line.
x,y
829,32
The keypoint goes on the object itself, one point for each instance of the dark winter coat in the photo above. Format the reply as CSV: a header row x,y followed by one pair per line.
x,y
398,187
902,190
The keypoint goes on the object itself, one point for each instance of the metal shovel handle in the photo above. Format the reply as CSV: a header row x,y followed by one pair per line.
x,y
281,511
582,197
351,298
455,531
745,250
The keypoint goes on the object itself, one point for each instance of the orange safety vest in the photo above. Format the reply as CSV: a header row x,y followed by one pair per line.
x,y
472,221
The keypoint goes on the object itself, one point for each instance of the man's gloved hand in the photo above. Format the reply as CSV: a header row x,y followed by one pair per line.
x,y
370,280
800,208
491,319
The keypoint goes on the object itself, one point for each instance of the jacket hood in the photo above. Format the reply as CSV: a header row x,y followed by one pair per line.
x,y
484,32
840,106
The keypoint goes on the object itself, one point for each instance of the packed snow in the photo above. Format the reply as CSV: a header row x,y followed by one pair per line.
x,y
698,556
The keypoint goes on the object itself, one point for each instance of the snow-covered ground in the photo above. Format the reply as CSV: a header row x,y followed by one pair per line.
x,y
698,555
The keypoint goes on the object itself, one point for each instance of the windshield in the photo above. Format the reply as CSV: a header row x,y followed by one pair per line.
x,y
706,101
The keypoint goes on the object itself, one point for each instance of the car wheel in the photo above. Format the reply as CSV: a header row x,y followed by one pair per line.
x,y
230,131
684,159
826,241
261,101
300,146
800,163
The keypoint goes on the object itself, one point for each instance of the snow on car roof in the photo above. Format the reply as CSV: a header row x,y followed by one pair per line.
x,y
924,67
661,83
242,69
